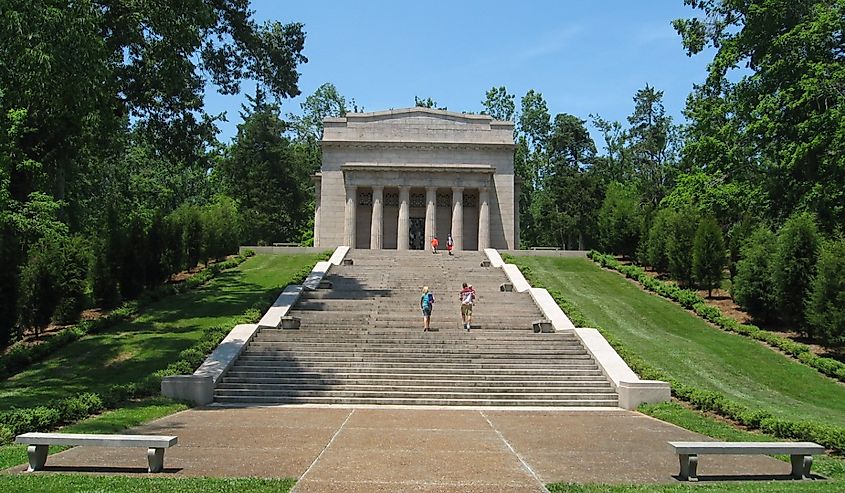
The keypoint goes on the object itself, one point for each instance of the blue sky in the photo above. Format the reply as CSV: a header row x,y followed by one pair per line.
x,y
583,56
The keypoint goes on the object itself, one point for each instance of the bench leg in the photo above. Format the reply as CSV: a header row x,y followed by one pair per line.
x,y
689,467
37,456
801,465
155,456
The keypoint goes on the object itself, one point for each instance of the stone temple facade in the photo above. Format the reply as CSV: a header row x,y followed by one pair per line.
x,y
393,179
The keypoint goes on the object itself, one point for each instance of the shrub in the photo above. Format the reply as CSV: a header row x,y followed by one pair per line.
x,y
708,255
794,266
752,287
826,304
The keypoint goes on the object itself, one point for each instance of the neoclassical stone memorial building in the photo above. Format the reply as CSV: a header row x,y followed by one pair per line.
x,y
393,179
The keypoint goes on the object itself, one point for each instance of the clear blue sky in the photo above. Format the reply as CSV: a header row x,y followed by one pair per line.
x,y
583,56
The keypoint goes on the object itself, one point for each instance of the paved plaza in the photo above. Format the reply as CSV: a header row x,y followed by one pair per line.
x,y
374,449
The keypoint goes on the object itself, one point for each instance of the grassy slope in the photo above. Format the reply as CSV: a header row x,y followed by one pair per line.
x,y
155,338
672,339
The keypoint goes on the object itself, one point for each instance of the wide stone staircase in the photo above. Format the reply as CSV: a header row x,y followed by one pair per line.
x,y
361,342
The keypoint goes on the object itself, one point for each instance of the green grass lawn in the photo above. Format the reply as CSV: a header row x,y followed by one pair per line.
x,y
71,483
672,339
739,487
134,349
132,414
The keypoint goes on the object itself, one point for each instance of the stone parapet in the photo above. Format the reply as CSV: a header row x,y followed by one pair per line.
x,y
631,390
221,359
198,388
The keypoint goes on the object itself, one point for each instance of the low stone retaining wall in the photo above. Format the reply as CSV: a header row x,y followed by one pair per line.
x,y
631,390
198,388
281,249
547,253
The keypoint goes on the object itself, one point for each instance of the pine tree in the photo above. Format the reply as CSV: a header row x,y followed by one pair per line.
x,y
708,255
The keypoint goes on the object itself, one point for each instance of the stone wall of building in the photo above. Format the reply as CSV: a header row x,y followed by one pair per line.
x,y
416,148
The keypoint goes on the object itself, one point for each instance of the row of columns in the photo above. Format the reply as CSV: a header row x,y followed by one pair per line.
x,y
403,233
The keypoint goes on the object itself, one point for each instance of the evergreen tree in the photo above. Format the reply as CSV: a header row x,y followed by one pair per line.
x,y
619,220
658,234
826,303
752,287
679,244
794,267
266,177
708,255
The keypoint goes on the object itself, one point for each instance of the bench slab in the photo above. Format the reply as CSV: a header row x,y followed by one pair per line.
x,y
39,444
801,454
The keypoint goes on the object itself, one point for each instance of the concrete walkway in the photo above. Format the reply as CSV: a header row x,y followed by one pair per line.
x,y
389,449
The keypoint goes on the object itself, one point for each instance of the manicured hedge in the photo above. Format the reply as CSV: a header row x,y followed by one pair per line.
x,y
832,437
692,301
19,356
72,409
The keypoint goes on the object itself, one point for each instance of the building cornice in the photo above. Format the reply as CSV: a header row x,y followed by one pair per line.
x,y
424,168
411,145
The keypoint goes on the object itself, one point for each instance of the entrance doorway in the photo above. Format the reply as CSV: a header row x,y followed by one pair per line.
x,y
416,238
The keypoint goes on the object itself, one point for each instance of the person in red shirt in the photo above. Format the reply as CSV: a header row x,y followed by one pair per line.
x,y
434,244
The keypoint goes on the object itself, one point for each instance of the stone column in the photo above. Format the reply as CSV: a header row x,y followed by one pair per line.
x,y
376,235
349,224
317,203
430,215
483,218
458,217
517,191
404,229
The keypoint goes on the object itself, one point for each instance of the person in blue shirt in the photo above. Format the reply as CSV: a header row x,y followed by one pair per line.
x,y
426,303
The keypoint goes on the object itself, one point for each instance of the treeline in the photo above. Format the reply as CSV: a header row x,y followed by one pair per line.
x,y
111,177
757,190
754,183
794,276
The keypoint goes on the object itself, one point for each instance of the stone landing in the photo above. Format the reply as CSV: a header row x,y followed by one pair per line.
x,y
370,449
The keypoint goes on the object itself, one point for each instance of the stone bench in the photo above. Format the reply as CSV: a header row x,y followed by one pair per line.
x,y
40,442
801,454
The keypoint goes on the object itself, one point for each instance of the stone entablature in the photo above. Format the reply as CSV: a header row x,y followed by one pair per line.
x,y
393,158
419,125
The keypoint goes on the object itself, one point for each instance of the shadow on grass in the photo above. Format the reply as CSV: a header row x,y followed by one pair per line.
x,y
130,351
108,469
746,477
